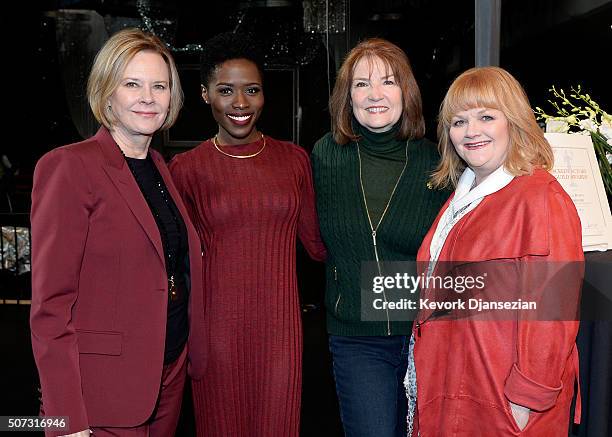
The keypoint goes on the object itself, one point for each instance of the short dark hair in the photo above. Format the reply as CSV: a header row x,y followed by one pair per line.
x,y
225,47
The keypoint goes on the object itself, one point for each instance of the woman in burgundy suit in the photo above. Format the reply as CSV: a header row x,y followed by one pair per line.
x,y
116,262
249,196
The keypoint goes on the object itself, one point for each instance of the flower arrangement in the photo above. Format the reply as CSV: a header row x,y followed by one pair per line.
x,y
579,113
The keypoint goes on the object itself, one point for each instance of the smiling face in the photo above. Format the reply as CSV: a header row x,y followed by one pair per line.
x,y
481,138
376,97
141,101
235,94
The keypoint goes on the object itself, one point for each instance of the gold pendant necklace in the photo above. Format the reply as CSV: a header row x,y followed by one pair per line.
x,y
253,155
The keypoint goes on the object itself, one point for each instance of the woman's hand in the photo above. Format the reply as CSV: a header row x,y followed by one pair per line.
x,y
520,414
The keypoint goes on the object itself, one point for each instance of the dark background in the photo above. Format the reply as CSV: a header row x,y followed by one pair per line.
x,y
543,43
50,46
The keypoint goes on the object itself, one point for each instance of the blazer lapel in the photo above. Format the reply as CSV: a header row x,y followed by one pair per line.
x,y
121,176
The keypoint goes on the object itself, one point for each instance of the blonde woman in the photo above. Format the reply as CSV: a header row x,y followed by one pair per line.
x,y
505,376
116,262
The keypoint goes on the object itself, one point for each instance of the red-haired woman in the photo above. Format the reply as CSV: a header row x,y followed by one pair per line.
x,y
374,204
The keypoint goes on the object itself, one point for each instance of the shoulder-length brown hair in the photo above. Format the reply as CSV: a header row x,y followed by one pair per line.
x,y
110,63
412,121
495,88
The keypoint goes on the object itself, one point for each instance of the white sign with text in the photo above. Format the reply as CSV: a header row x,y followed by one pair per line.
x,y
577,170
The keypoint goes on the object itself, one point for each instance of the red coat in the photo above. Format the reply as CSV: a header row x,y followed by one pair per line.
x,y
468,370
99,287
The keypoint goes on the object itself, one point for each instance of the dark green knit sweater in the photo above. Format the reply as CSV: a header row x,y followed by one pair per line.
x,y
344,223
382,157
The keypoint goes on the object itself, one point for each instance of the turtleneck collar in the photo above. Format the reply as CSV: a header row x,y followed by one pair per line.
x,y
380,142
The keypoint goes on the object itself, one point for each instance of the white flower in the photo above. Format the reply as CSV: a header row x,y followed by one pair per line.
x,y
570,119
606,130
554,125
588,125
606,118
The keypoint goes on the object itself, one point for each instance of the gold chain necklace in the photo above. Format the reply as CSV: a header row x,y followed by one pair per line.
x,y
373,228
252,155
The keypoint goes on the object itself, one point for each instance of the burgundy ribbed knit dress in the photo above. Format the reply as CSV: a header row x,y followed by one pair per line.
x,y
248,213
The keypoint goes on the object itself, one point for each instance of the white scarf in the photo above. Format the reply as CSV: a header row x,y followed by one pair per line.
x,y
467,197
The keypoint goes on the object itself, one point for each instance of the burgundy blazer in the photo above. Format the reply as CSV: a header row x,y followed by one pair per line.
x,y
99,287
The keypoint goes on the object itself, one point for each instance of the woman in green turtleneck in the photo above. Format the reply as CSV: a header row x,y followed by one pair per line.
x,y
371,180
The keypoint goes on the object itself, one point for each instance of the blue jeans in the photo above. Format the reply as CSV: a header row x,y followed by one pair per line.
x,y
369,374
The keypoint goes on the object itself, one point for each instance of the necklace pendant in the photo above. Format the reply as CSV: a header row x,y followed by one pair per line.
x,y
172,291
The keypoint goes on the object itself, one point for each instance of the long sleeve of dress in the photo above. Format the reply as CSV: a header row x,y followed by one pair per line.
x,y
60,218
179,177
308,222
